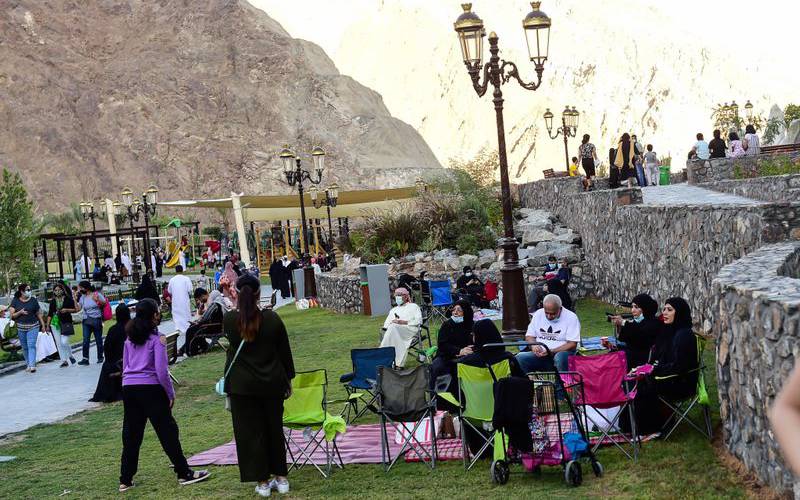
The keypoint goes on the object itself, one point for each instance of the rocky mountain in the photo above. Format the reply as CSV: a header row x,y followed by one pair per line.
x,y
649,67
196,97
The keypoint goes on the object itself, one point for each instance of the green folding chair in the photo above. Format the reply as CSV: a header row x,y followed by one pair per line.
x,y
681,409
306,413
476,403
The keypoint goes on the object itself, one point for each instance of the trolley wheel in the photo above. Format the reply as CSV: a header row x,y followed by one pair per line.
x,y
572,473
500,472
597,468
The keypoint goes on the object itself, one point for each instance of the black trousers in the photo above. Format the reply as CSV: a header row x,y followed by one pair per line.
x,y
142,403
258,429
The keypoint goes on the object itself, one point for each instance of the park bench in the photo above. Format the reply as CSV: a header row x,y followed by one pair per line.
x,y
171,344
549,173
781,149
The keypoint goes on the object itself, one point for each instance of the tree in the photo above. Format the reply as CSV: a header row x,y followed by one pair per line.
x,y
792,112
70,221
19,229
481,169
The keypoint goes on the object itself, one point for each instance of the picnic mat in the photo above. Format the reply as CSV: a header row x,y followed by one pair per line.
x,y
362,445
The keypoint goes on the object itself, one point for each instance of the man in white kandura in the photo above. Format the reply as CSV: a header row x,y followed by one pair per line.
x,y
181,289
401,325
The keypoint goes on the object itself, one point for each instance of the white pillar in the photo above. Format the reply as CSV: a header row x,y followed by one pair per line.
x,y
244,253
112,226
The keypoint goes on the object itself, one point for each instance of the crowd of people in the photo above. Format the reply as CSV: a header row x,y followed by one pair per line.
x,y
628,161
750,145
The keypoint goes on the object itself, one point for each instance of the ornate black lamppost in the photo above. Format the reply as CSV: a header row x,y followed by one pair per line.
x,y
89,214
568,128
329,201
295,175
469,28
147,207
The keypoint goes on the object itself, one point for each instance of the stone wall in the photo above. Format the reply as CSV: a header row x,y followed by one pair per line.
x,y
718,169
757,303
340,293
770,188
665,250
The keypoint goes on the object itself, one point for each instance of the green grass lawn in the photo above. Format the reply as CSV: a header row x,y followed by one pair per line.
x,y
82,454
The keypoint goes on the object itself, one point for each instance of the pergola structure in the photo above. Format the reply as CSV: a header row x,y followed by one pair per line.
x,y
249,208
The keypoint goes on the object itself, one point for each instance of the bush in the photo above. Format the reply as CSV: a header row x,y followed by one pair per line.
x,y
768,167
214,232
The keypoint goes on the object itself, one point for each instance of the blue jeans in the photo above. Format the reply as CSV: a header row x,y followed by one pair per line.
x,y
530,362
27,341
91,325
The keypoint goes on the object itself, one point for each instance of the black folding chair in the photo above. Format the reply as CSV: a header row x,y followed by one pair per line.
x,y
406,402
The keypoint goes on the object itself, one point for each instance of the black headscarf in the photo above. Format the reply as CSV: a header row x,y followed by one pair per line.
x,y
647,304
485,332
683,313
468,312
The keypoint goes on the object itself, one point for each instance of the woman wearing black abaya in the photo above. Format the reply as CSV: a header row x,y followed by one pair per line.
x,y
109,385
455,335
147,289
623,159
639,334
675,368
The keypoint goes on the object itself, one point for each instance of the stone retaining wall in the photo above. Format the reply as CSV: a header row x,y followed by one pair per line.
x,y
770,188
340,293
718,169
757,303
631,248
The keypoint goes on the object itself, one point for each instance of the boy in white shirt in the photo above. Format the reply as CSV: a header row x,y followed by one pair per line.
x,y
557,328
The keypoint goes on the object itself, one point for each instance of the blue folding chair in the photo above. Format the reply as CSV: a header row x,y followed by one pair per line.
x,y
360,383
441,298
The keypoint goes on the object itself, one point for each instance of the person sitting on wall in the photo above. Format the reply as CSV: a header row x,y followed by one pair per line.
x,y
470,286
638,333
402,325
556,327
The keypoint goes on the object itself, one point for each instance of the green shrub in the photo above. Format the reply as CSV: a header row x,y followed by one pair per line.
x,y
768,167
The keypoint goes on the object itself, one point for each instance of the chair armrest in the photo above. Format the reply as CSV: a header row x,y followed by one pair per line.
x,y
347,377
447,396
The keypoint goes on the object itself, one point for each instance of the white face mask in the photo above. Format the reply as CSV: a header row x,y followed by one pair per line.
x,y
27,294
457,319
398,300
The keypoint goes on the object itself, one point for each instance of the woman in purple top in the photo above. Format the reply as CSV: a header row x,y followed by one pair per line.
x,y
147,394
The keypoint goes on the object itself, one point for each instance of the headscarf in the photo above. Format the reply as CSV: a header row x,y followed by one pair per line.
x,y
468,312
647,304
683,313
467,269
402,291
147,288
486,332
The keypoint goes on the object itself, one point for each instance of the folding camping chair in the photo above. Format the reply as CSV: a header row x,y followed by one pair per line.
x,y
441,298
605,387
681,409
406,402
360,383
305,409
476,403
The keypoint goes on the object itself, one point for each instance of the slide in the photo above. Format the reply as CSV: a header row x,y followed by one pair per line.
x,y
174,254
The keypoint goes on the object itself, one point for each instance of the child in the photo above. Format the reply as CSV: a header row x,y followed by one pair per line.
x,y
573,167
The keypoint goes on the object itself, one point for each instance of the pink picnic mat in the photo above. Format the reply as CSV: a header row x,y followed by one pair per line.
x,y
361,444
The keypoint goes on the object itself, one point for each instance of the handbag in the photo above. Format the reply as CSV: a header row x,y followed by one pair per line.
x,y
67,328
107,313
219,387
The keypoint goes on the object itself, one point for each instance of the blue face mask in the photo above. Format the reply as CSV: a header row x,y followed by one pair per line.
x,y
639,318
457,319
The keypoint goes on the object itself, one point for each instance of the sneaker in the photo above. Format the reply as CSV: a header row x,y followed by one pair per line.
x,y
33,370
125,487
63,365
195,477
72,360
99,361
83,362
282,485
264,490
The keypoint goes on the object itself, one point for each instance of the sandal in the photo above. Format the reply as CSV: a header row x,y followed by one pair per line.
x,y
125,487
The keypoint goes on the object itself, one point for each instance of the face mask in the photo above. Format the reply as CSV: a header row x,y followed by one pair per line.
x,y
457,319
27,294
639,318
398,300
468,273
559,266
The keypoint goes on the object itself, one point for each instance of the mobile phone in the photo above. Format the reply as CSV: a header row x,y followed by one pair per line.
x,y
396,315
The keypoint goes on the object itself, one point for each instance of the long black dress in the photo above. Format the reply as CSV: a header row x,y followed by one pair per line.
x,y
452,338
109,385
639,340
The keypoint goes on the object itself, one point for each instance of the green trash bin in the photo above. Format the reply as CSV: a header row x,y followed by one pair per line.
x,y
663,175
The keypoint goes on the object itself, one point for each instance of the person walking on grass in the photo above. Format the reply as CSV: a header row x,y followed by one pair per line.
x,y
26,312
147,394
91,302
258,374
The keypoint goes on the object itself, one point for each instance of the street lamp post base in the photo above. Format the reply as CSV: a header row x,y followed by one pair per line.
x,y
515,304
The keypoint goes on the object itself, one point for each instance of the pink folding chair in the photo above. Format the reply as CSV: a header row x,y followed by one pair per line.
x,y
605,386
